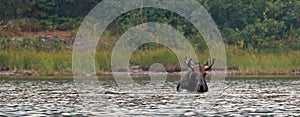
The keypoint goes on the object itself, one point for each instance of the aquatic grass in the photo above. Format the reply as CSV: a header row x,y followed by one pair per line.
x,y
46,63
61,61
55,62
295,60
102,61
162,56
43,62
5,57
251,61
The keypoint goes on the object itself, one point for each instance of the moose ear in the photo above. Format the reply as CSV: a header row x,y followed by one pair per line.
x,y
207,68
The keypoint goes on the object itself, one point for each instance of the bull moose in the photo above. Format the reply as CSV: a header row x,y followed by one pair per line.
x,y
194,79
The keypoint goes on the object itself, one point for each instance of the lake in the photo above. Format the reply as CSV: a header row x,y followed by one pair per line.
x,y
240,96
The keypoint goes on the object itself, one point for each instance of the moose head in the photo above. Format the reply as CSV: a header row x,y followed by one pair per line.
x,y
194,79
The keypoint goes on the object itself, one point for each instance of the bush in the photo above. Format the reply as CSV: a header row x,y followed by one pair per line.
x,y
24,25
37,44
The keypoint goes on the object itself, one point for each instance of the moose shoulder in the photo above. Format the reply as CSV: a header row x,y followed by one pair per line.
x,y
194,79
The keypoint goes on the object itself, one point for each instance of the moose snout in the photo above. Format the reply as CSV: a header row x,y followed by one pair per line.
x,y
200,85
201,88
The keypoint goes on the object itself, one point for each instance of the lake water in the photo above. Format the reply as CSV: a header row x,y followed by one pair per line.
x,y
241,96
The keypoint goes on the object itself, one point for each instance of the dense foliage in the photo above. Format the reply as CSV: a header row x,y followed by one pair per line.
x,y
36,15
263,25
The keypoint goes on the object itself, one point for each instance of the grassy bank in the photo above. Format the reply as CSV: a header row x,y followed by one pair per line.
x,y
43,62
251,61
61,61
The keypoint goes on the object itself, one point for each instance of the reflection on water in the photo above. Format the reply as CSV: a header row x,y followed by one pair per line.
x,y
241,96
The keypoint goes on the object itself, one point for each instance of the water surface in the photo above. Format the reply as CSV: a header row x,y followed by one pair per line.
x,y
241,96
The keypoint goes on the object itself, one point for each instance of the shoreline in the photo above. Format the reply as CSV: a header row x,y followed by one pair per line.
x,y
27,73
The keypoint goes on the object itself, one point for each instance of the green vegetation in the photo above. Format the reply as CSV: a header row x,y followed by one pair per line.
x,y
61,62
43,62
251,61
260,35
269,26
37,15
37,44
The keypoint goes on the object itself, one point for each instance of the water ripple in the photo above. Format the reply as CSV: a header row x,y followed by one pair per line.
x,y
242,97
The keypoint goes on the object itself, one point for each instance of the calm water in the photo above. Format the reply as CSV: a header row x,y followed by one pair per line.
x,y
59,96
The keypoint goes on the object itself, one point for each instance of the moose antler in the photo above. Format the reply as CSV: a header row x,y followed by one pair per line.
x,y
189,63
208,67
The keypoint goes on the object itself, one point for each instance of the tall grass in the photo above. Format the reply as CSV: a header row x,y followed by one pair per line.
x,y
61,61
103,60
43,62
164,56
251,61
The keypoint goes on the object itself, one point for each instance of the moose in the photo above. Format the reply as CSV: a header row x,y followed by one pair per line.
x,y
194,79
